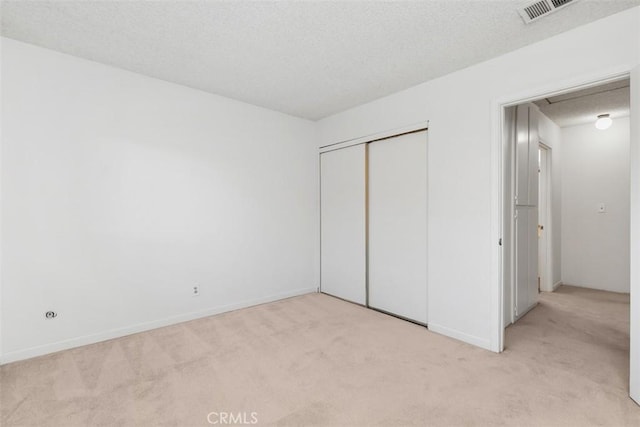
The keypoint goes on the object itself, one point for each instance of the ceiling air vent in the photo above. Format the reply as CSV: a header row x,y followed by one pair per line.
x,y
534,11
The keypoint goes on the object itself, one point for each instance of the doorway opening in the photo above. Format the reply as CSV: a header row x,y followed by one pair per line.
x,y
593,245
567,226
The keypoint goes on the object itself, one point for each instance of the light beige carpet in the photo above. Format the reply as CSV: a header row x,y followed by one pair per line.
x,y
317,360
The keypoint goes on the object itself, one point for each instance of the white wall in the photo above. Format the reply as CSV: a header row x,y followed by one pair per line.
x,y
460,108
550,135
595,169
104,171
120,192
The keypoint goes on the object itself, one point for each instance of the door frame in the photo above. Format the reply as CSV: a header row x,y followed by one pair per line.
x,y
498,179
366,140
546,282
498,105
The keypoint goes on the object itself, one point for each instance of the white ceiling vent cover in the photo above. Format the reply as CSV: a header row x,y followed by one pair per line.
x,y
534,11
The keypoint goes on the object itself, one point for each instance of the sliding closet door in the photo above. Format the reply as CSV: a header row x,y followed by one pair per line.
x,y
343,223
398,226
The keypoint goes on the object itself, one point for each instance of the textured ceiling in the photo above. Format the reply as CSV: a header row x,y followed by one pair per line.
x,y
585,105
308,59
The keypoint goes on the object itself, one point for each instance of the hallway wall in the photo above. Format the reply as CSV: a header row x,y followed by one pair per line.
x,y
595,169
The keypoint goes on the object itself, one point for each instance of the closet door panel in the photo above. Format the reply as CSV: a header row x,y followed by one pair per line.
x,y
398,226
343,223
533,256
523,167
526,288
534,163
523,246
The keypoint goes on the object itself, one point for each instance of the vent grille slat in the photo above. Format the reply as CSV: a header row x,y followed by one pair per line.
x,y
539,9
558,3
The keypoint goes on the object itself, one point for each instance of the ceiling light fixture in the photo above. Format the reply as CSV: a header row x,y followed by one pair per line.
x,y
603,122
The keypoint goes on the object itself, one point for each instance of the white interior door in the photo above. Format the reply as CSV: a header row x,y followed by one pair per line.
x,y
343,223
526,259
398,226
525,288
522,156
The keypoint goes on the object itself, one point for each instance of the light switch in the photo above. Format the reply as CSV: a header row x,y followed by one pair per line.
x,y
602,208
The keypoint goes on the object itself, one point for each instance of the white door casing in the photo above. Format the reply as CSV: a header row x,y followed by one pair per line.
x,y
634,333
544,220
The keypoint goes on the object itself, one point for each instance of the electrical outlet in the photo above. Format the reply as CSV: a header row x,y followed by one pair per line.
x,y
195,291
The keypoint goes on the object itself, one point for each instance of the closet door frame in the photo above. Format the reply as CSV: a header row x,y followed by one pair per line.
x,y
366,140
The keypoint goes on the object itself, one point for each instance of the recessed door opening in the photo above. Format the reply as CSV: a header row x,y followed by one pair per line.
x,y
566,230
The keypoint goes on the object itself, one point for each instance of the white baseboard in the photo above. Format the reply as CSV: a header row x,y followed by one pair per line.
x,y
461,336
556,285
598,288
40,350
